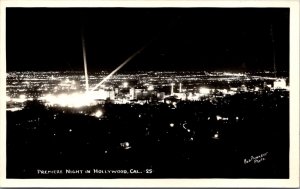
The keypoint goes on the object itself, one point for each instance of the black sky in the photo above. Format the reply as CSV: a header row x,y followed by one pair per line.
x,y
236,39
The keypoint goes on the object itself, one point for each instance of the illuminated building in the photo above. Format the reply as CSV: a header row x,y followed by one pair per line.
x,y
181,96
111,95
279,84
132,94
172,88
180,87
204,91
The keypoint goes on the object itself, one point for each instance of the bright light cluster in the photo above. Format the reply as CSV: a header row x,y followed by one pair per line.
x,y
204,90
233,74
74,100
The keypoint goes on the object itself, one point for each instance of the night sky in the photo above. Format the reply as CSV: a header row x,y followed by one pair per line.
x,y
210,39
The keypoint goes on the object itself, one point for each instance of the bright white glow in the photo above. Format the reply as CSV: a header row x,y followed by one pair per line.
x,y
218,117
280,84
216,135
150,88
14,109
171,124
224,91
125,145
125,84
204,90
233,74
98,113
74,100
22,97
101,94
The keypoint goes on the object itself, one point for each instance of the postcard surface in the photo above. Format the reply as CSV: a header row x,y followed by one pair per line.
x,y
145,94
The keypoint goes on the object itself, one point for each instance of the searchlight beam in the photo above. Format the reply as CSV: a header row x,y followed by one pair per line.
x,y
119,67
85,63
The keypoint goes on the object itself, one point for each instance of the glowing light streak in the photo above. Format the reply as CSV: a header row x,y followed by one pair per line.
x,y
119,67
85,64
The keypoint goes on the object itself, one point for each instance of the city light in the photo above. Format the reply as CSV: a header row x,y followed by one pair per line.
x,y
150,88
74,100
125,145
98,113
216,135
22,97
279,84
224,91
125,84
14,109
204,90
66,91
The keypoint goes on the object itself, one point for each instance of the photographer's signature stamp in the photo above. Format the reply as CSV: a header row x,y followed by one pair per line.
x,y
256,159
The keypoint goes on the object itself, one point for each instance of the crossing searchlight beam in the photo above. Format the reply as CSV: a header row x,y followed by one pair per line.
x,y
119,67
